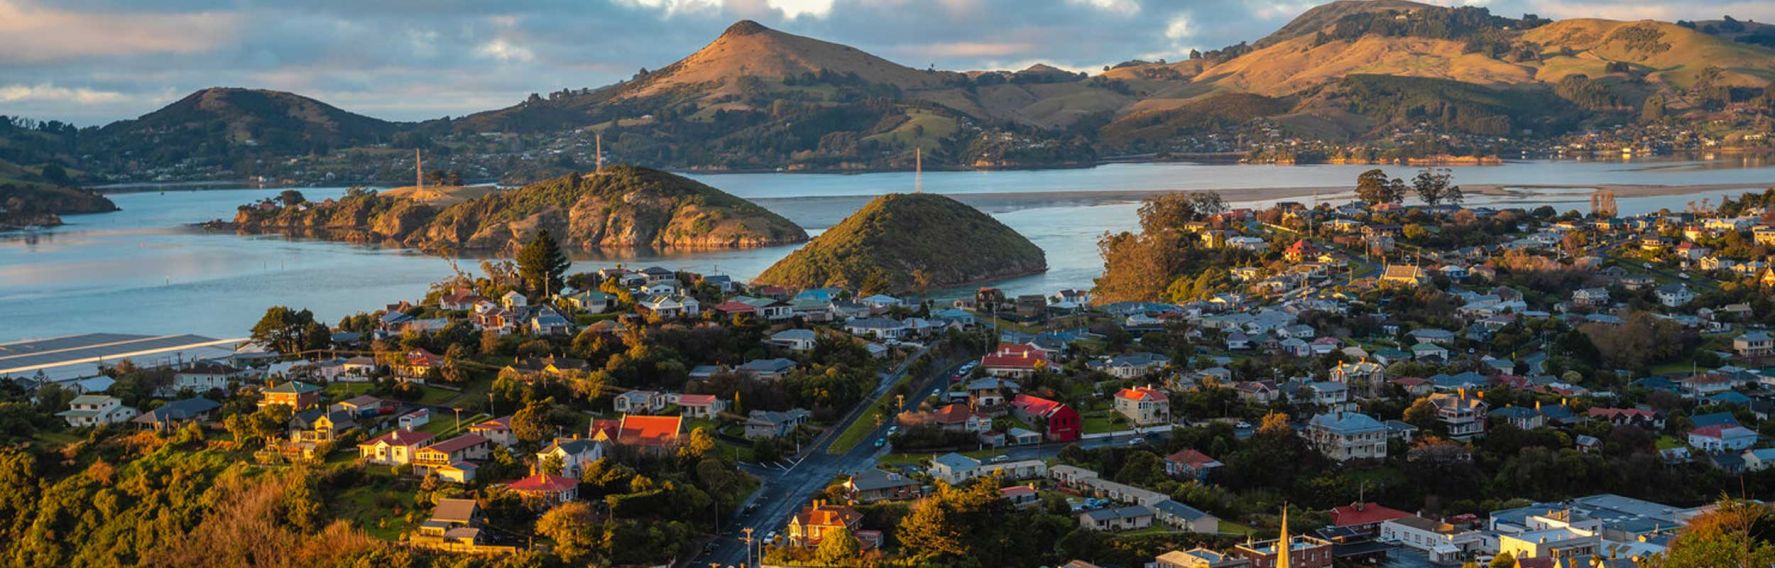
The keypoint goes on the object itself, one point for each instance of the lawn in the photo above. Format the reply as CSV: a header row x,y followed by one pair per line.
x,y
1666,442
377,508
55,438
1229,527
437,396
859,430
342,391
1100,422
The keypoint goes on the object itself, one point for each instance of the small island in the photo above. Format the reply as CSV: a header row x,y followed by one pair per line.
x,y
617,207
41,205
909,243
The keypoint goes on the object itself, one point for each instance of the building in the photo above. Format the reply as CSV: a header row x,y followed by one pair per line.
x,y
172,415
794,339
1462,412
876,485
771,424
1199,558
1403,276
1143,406
1185,518
812,523
543,491
657,435
572,453
1722,438
1675,295
1364,518
1303,552
1128,518
1444,543
464,448
776,368
639,402
1345,436
1189,463
1362,377
89,410
1132,365
499,430
1014,361
396,447
294,394
1753,344
704,406
1058,422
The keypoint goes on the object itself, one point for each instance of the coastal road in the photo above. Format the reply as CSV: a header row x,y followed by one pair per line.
x,y
785,488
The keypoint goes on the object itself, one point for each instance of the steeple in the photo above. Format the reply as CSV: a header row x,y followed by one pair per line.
x,y
1283,546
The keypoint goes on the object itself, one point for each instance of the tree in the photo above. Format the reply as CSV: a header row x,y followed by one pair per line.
x,y
1503,560
1737,533
1374,187
541,264
838,547
1434,188
1421,413
575,529
291,198
288,331
530,423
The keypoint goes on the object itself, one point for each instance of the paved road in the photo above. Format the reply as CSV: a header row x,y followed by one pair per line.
x,y
784,489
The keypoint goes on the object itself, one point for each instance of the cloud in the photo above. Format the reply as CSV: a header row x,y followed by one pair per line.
x,y
1121,7
51,93
506,51
975,49
798,8
30,33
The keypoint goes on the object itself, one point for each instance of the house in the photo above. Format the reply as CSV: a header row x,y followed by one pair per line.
x,y
460,449
1300,251
311,427
1184,517
735,308
455,524
776,368
794,339
876,328
1143,406
1128,518
1058,422
1021,496
1364,518
1753,344
1131,366
1424,351
1675,295
1189,463
513,300
547,321
989,395
499,430
1461,412
295,394
704,406
1363,377
812,523
953,468
960,418
1759,459
639,402
1014,361
1441,542
774,425
1646,419
172,415
206,376
396,447
1344,436
668,307
1590,297
1325,394
573,454
364,406
1722,438
96,410
655,434
876,485
591,301
1403,276
543,491
459,300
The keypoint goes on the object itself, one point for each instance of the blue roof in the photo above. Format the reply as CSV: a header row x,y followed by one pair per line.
x,y
1465,379
1346,423
1714,419
1730,397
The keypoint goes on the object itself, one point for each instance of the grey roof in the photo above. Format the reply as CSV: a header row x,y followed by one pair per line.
x,y
872,479
1129,512
793,335
455,510
956,461
1174,509
777,365
178,410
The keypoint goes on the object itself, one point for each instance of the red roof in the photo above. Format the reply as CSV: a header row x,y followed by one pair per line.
x,y
952,414
735,307
1016,491
1142,393
1014,356
1410,381
1191,457
400,438
422,358
1302,247
696,399
1715,431
1035,405
501,423
1613,412
543,483
1357,514
649,430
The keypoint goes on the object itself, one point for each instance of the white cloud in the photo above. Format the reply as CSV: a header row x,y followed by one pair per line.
x,y
35,34
46,92
1123,7
672,7
1179,28
799,8
505,51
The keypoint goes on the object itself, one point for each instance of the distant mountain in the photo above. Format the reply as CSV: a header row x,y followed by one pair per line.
x,y
1379,79
620,207
909,243
220,124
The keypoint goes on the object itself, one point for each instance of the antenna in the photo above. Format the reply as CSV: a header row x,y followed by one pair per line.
x,y
418,170
599,139
918,169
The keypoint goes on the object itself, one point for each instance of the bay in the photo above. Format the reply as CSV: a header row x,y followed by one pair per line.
x,y
144,270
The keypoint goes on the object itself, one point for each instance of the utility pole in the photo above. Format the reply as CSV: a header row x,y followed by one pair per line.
x,y
748,539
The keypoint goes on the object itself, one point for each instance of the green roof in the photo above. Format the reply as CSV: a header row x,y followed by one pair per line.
x,y
295,387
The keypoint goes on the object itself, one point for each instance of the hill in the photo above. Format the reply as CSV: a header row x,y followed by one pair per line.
x,y
217,125
42,205
622,207
749,51
909,243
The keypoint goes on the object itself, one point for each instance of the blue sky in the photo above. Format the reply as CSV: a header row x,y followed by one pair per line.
x,y
93,61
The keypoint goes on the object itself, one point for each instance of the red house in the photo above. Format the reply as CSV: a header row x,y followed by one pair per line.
x,y
1059,422
1013,361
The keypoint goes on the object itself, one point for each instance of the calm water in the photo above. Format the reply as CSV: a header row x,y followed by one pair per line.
x,y
141,271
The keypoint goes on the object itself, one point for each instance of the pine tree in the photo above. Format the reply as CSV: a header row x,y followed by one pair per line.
x,y
541,265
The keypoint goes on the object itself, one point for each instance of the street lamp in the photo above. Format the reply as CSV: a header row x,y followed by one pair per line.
x,y
748,539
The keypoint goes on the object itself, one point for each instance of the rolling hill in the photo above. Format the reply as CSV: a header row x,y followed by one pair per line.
x,y
913,242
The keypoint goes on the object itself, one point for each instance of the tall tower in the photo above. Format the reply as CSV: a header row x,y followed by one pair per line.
x,y
418,170
917,169
599,139
1283,546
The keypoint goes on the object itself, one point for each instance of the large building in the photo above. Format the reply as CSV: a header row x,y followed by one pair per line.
x,y
71,358
1345,436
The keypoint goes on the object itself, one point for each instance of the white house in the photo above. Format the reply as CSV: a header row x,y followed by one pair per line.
x,y
96,410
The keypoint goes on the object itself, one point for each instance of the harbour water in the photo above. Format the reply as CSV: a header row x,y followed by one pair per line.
x,y
144,270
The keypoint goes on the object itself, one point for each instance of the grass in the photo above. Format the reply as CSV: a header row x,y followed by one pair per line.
x,y
867,423
1666,442
436,396
342,391
369,507
1099,423
1229,527
55,438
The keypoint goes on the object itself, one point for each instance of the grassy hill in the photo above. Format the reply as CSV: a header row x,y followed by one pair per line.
x,y
909,243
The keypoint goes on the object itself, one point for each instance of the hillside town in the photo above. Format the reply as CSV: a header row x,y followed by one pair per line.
x,y
1338,385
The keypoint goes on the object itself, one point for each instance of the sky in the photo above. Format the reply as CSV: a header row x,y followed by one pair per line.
x,y
90,62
